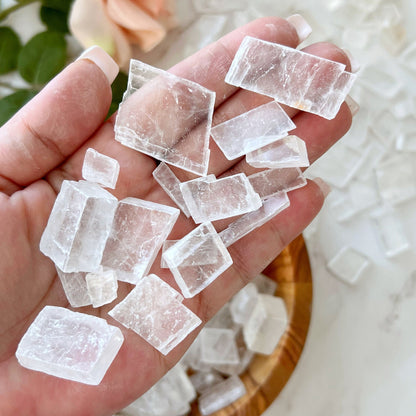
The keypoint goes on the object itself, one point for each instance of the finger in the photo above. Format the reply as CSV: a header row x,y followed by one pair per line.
x,y
57,121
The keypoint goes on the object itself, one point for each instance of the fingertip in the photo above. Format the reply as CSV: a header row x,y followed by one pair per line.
x,y
323,186
302,27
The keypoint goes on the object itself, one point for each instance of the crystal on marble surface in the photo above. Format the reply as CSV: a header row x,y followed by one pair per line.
x,y
218,346
243,303
291,77
201,380
209,200
270,182
348,265
265,284
78,226
251,130
154,310
221,395
166,117
288,152
75,288
100,169
171,185
255,219
266,324
184,259
102,287
139,229
69,345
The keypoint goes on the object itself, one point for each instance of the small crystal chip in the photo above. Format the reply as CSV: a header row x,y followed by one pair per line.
x,y
166,117
75,288
218,346
154,310
69,345
202,380
265,284
100,169
243,303
102,287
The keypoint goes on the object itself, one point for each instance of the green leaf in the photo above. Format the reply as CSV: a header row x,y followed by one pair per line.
x,y
42,57
61,5
54,20
118,87
9,49
10,104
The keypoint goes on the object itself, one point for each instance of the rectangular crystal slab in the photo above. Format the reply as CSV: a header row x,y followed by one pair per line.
x,y
266,325
78,226
154,310
243,303
69,345
75,288
251,130
184,259
171,185
348,265
291,77
249,222
166,117
137,234
218,346
102,287
288,152
209,200
100,169
221,395
265,284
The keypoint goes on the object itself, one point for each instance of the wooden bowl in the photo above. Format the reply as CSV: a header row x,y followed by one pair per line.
x,y
267,375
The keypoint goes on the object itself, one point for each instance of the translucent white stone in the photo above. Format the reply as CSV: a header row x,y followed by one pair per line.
x,y
171,185
406,142
386,127
251,130
100,169
379,80
218,6
218,346
192,357
373,154
265,284
166,117
69,345
249,222
291,77
408,57
154,310
221,395
243,303
348,265
78,226
223,319
357,134
75,288
184,259
202,380
209,200
288,152
102,287
266,324
137,234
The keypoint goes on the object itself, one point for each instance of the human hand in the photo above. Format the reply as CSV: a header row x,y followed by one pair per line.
x,y
45,143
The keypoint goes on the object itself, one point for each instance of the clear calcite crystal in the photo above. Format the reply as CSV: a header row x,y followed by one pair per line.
x,y
221,395
243,303
265,284
252,130
69,345
288,152
102,287
171,185
210,200
249,222
166,117
290,76
348,265
218,346
78,226
138,232
202,380
154,310
75,288
100,169
266,324
185,257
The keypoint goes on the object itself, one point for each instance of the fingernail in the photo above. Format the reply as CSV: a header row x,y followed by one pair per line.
x,y
323,186
103,60
355,65
352,105
302,27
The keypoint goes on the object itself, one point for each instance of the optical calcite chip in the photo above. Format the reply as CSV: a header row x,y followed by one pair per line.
x,y
78,226
166,117
100,169
290,76
265,284
221,395
348,265
69,345
201,380
209,200
154,310
287,152
266,324
75,288
252,130
171,185
138,232
218,346
102,287
252,220
185,257
223,319
243,303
